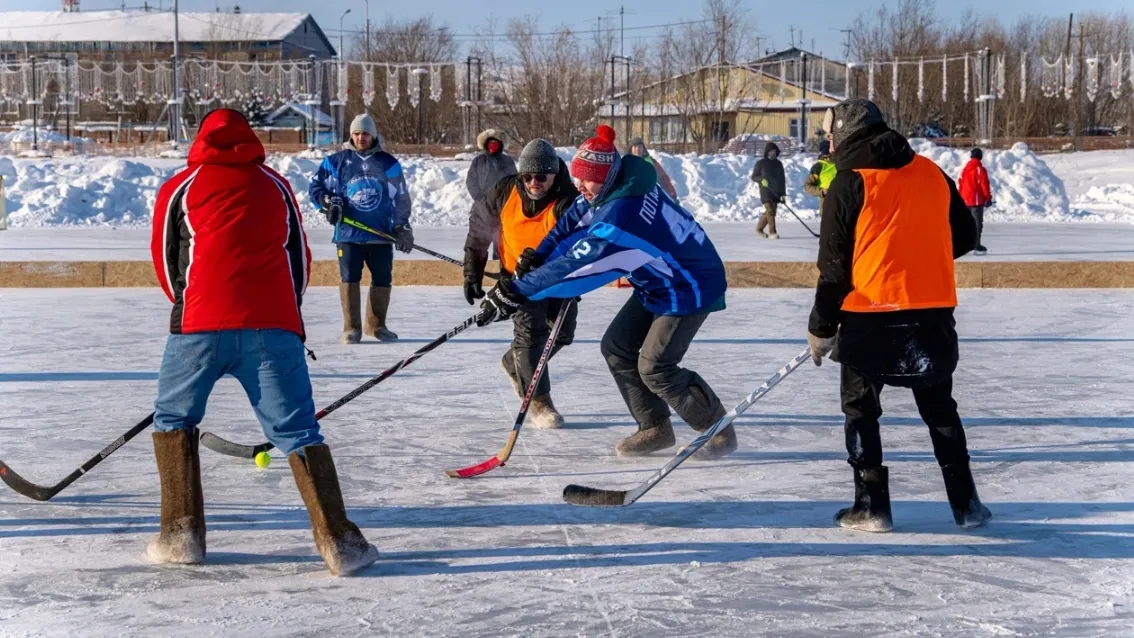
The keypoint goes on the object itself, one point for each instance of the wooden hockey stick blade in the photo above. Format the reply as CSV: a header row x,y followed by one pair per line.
x,y
594,497
228,448
491,464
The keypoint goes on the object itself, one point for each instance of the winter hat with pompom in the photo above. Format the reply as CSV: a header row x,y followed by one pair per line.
x,y
597,158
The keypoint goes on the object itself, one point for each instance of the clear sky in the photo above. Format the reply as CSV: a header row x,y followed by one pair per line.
x,y
772,19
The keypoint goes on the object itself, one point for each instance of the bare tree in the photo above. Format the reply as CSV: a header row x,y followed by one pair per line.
x,y
404,42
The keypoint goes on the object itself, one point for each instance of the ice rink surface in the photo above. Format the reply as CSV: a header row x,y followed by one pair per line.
x,y
744,546
736,241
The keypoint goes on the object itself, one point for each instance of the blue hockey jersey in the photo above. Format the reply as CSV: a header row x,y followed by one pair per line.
x,y
373,189
637,232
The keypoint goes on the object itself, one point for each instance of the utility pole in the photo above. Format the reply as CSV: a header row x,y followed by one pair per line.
x,y
175,108
803,103
367,29
791,30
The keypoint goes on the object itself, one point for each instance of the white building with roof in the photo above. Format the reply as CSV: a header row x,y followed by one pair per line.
x,y
141,35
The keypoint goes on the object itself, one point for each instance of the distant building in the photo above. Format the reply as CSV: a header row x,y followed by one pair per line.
x,y
716,104
148,35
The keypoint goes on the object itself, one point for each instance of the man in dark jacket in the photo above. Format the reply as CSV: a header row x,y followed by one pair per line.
x,y
229,251
491,165
893,223
516,214
364,184
769,174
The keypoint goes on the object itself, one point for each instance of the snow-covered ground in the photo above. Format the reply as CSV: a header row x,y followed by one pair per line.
x,y
87,191
739,547
736,241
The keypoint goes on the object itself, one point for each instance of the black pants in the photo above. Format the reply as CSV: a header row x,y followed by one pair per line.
x,y
644,352
379,259
531,326
978,215
862,406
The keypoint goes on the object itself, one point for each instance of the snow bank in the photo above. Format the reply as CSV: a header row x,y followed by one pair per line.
x,y
1023,186
106,191
25,135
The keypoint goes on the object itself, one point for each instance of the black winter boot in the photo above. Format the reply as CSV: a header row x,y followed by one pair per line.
x,y
871,509
968,511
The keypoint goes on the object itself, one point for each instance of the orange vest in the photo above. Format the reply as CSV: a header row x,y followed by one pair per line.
x,y
518,231
903,244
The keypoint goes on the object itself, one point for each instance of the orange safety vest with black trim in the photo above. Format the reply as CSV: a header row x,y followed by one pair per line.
x,y
903,244
518,231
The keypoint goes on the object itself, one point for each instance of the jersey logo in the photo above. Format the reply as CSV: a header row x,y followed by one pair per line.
x,y
365,192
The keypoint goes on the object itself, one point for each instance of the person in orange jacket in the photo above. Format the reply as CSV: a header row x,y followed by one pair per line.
x,y
893,223
976,192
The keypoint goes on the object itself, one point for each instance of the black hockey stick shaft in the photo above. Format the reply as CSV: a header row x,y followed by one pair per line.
x,y
785,204
228,448
41,493
357,224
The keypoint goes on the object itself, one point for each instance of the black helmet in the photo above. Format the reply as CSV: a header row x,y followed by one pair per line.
x,y
977,154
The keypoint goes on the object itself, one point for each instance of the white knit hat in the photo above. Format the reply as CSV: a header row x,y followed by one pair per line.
x,y
364,124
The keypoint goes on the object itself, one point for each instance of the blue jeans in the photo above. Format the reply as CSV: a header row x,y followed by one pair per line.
x,y
379,259
269,364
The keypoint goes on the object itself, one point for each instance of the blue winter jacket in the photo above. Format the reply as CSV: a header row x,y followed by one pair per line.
x,y
373,189
637,232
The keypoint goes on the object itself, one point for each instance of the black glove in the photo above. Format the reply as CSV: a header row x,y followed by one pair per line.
x,y
474,275
501,303
333,208
404,236
526,263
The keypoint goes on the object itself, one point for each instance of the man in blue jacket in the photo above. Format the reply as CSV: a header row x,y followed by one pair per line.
x,y
623,225
364,184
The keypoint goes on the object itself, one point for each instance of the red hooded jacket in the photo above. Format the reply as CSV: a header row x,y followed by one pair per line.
x,y
228,244
974,184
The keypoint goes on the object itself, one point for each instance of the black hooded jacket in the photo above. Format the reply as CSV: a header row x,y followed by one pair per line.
x,y
773,171
908,347
484,220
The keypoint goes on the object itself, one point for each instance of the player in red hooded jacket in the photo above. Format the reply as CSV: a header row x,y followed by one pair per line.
x,y
976,192
229,251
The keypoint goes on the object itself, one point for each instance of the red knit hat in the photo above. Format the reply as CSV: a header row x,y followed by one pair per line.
x,y
596,156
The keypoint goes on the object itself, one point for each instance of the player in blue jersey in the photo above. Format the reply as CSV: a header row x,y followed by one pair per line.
x,y
623,225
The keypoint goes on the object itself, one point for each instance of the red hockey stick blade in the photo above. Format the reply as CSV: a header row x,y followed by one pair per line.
x,y
475,470
491,464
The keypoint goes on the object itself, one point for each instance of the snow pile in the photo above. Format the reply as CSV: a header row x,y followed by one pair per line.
x,y
1023,186
106,191
25,134
1100,183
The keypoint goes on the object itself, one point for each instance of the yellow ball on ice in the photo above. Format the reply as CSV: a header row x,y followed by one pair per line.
x,y
263,460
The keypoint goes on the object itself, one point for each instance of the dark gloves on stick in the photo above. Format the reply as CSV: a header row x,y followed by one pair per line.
x,y
332,208
501,303
403,235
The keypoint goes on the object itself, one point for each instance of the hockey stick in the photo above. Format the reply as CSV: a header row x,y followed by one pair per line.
x,y
785,204
596,497
41,493
361,226
228,448
502,456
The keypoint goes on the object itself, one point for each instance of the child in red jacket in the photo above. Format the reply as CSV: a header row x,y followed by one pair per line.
x,y
976,192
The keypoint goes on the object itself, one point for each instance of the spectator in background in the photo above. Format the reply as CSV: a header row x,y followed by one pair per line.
x,y
491,165
638,148
769,174
976,192
821,175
